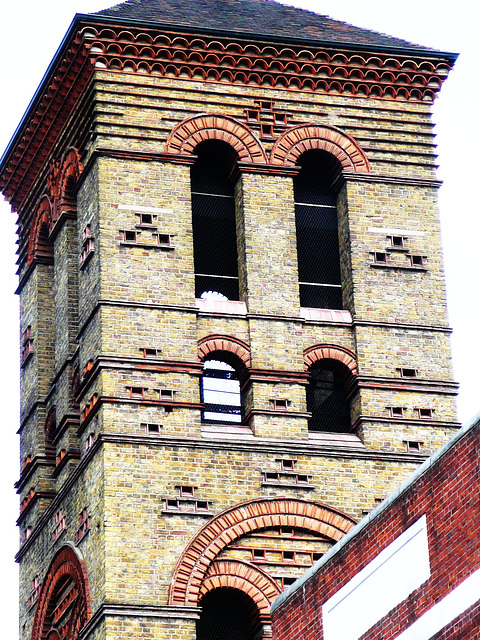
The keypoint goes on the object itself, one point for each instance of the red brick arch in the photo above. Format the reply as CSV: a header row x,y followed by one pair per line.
x,y
296,140
330,352
65,564
245,577
71,169
195,562
227,344
186,135
38,244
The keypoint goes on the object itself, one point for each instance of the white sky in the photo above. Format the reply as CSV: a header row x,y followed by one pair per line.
x,y
30,33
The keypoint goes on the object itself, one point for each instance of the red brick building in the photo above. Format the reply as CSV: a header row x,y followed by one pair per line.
x,y
408,571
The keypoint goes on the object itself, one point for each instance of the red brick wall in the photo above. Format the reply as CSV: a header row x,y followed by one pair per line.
x,y
448,494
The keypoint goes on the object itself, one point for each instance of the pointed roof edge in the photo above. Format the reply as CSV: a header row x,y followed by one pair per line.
x,y
409,48
90,18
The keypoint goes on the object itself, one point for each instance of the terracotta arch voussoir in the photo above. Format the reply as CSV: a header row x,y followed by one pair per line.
x,y
296,140
194,572
243,576
66,562
330,352
39,230
186,135
227,344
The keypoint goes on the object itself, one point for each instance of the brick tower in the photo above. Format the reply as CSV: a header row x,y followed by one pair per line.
x,y
233,328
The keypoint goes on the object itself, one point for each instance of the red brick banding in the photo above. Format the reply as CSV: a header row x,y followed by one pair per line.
x,y
186,135
194,564
296,140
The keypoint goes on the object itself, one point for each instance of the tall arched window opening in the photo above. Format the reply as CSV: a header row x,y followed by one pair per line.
x,y
213,219
228,613
317,231
220,392
328,398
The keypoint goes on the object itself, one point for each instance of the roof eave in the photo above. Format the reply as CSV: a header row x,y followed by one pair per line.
x,y
40,89
431,53
95,19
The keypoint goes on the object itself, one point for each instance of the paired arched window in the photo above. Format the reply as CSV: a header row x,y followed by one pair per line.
x,y
228,613
220,393
213,219
317,231
327,397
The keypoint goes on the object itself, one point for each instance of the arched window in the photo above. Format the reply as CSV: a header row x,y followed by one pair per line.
x,y
220,392
327,397
213,219
228,613
317,231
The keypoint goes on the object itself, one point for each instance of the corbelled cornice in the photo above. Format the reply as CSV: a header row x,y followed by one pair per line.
x,y
95,43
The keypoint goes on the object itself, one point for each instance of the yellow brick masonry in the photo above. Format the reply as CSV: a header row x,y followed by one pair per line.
x,y
137,297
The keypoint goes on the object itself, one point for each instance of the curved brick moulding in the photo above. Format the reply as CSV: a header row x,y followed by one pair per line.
x,y
65,565
55,203
245,577
226,344
38,245
186,135
298,67
194,564
296,140
330,352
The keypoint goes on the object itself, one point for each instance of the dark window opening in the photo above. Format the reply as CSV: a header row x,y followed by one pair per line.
x,y
213,219
380,257
408,373
317,232
416,261
425,413
228,614
327,398
220,393
130,236
398,242
146,219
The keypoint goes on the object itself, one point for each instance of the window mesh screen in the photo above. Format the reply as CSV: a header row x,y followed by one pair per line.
x,y
213,219
317,233
327,399
227,614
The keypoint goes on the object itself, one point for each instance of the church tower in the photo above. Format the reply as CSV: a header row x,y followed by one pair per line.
x,y
234,339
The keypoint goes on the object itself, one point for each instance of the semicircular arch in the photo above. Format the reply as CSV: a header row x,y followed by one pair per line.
x,y
243,576
67,565
186,135
227,344
319,352
38,243
204,548
296,140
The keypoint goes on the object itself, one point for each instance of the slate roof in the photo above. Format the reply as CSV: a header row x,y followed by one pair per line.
x,y
260,17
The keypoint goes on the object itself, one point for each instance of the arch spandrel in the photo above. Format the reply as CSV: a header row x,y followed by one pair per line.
x,y
189,133
213,538
296,140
